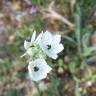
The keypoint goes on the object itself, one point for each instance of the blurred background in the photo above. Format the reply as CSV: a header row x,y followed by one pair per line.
x,y
74,72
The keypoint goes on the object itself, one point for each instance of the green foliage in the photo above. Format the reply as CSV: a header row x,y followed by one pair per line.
x,y
77,88
53,88
77,18
25,31
73,64
16,92
5,66
39,2
87,31
77,48
71,40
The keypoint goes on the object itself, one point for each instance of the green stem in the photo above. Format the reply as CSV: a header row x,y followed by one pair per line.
x,y
77,29
77,87
36,85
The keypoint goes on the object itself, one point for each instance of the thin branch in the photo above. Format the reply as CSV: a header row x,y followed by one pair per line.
x,y
51,13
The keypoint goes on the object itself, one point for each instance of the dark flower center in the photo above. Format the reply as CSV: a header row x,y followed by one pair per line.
x,y
36,68
32,46
48,47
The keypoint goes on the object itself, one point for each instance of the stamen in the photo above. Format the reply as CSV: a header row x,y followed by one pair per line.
x,y
32,45
48,47
36,68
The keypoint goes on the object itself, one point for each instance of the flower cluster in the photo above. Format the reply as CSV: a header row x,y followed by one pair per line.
x,y
37,49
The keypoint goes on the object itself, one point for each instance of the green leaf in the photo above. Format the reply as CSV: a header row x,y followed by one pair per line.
x,y
89,51
77,89
15,92
77,18
72,66
70,39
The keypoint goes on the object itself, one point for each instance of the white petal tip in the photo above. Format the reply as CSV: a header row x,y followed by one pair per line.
x,y
26,44
23,55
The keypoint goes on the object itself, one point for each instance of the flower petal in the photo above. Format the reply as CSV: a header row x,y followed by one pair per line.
x,y
39,37
33,37
52,55
38,76
57,48
56,39
46,38
42,63
26,44
47,68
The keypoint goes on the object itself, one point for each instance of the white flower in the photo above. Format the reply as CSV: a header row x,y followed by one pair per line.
x,y
38,69
33,40
28,45
50,44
